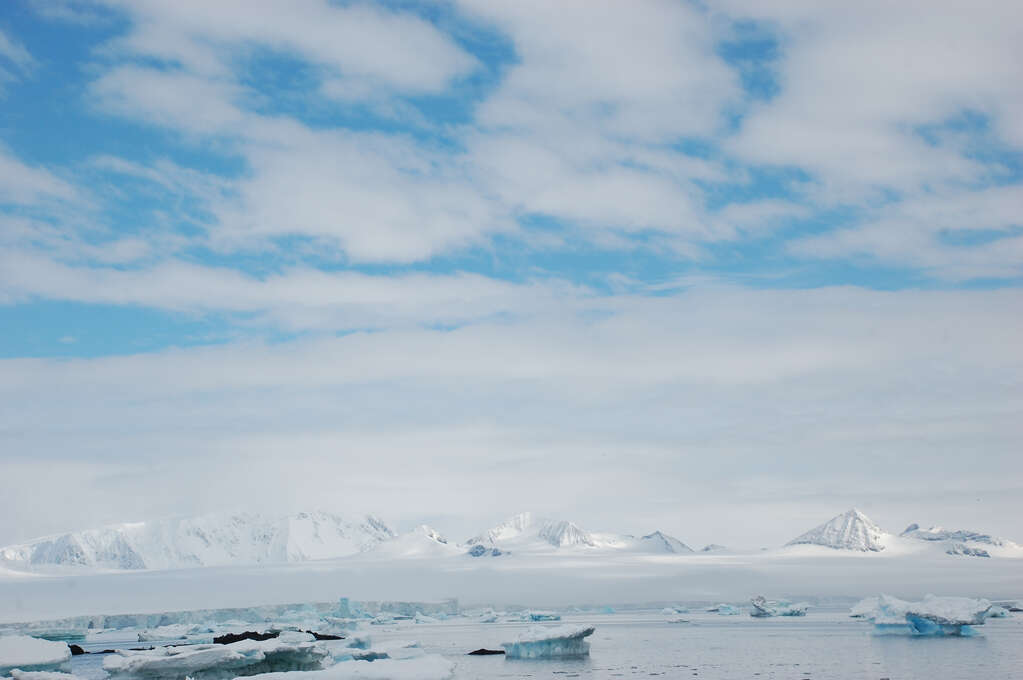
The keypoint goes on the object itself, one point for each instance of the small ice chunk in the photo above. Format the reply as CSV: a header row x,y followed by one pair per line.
x,y
550,643
33,654
544,616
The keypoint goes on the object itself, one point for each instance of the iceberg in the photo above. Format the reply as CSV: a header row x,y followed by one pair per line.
x,y
723,610
762,608
934,616
558,642
290,651
33,654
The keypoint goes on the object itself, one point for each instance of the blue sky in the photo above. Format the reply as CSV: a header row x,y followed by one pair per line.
x,y
179,180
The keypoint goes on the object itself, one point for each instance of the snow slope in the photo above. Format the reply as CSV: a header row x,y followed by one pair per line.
x,y
852,530
209,540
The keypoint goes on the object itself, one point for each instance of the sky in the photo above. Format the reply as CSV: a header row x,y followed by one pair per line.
x,y
721,268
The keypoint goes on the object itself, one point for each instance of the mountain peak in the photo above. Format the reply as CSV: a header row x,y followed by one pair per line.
x,y
852,530
666,543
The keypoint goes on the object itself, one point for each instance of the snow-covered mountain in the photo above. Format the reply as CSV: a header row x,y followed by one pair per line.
x,y
525,531
660,542
209,540
852,530
956,535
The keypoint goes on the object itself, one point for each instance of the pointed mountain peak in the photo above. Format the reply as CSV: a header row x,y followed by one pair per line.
x,y
662,542
852,530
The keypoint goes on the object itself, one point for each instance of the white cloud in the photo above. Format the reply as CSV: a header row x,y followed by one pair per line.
x,y
298,298
858,80
363,42
695,397
920,232
23,184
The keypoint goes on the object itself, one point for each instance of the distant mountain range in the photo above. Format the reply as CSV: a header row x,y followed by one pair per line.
x,y
236,539
205,541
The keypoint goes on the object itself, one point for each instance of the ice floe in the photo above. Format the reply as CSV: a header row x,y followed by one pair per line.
x,y
290,651
33,654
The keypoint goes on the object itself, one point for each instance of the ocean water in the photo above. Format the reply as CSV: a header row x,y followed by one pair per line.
x,y
821,645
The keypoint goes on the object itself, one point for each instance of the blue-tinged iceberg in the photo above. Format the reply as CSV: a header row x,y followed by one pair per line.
x,y
558,642
33,654
934,616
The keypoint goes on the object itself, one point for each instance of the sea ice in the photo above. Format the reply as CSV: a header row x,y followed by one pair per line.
x,y
426,667
934,616
290,651
550,643
33,654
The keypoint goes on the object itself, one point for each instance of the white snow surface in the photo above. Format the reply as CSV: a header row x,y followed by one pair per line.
x,y
852,530
209,540
33,654
425,667
422,542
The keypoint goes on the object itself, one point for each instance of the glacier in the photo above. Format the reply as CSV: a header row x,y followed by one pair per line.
x,y
932,617
33,654
852,530
556,642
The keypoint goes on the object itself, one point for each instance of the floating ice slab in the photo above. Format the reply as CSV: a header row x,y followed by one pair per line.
x,y
288,652
33,654
17,674
934,616
427,667
550,643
